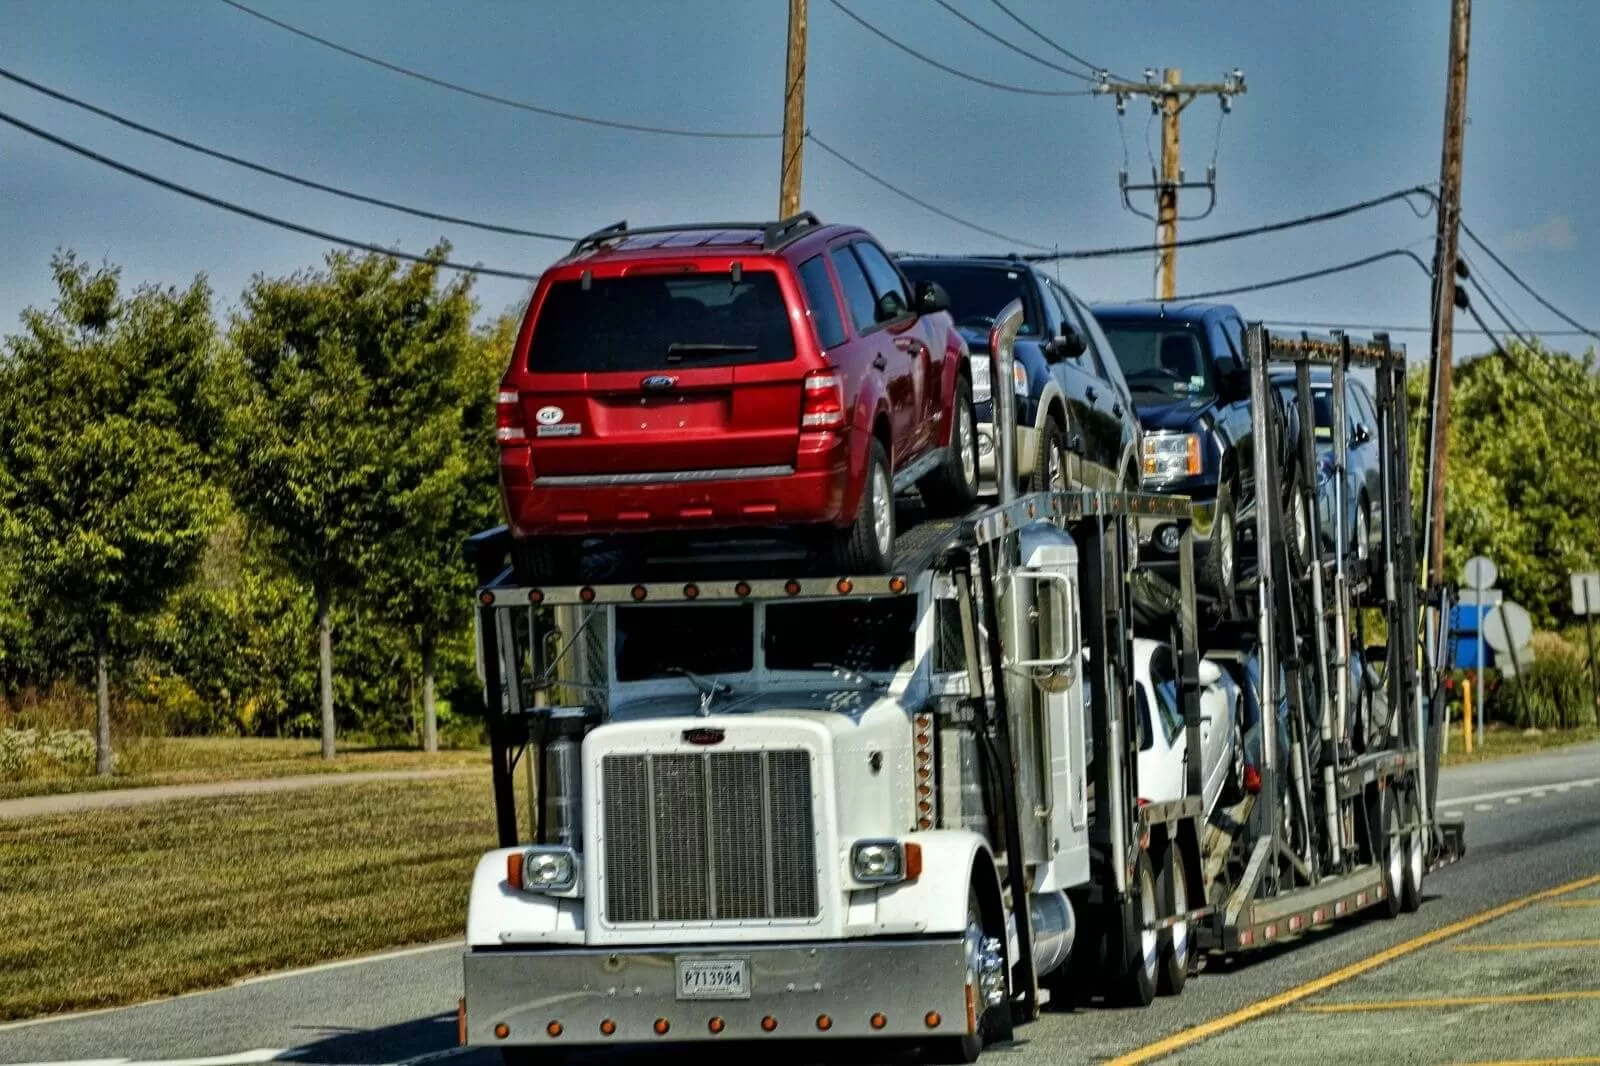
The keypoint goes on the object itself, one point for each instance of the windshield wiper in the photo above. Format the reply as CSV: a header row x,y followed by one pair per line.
x,y
677,350
709,690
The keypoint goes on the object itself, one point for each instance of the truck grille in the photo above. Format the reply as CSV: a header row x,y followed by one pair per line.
x,y
721,836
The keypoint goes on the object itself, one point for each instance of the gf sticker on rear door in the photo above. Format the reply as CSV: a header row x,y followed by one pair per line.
x,y
548,416
550,424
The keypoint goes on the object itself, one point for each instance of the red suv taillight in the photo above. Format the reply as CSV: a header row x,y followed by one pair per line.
x,y
509,426
823,406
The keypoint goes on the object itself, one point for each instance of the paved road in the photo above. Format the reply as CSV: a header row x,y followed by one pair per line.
x,y
1534,836
69,802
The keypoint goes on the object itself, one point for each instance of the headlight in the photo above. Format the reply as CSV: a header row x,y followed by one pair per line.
x,y
542,869
884,862
1171,455
1019,379
980,377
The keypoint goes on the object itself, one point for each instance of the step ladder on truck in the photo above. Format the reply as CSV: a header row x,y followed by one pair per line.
x,y
740,802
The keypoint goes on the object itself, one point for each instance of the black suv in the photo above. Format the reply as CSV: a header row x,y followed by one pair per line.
x,y
1185,365
1076,426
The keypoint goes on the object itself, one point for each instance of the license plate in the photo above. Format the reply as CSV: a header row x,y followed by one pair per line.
x,y
713,979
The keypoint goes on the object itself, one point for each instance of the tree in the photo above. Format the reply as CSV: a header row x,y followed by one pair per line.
x,y
337,432
418,575
112,422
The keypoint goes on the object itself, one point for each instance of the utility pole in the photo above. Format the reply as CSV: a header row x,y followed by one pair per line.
x,y
794,112
1444,308
1169,98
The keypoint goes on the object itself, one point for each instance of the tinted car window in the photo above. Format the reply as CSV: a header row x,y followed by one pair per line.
x,y
867,635
1366,411
857,293
886,280
709,641
1161,359
824,305
979,293
655,323
1091,359
1164,679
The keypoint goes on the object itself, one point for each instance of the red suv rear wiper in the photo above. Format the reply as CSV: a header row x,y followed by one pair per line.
x,y
677,350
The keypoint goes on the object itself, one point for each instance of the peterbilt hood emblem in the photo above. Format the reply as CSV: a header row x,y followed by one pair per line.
x,y
704,735
658,382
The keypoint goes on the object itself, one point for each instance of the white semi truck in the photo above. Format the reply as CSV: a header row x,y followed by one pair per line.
x,y
764,804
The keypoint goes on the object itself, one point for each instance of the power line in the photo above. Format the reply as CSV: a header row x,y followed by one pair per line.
x,y
1521,370
504,101
1368,328
237,209
1093,69
1007,44
1529,289
925,205
1310,275
1238,234
282,175
908,50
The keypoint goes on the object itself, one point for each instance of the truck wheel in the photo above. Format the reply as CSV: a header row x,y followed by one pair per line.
x,y
1416,867
1383,821
1050,465
867,547
952,488
1220,572
1139,952
1175,941
967,1048
546,560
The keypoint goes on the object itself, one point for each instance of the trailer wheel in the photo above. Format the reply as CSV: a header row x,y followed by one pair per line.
x,y
1392,851
1416,864
1139,951
1175,941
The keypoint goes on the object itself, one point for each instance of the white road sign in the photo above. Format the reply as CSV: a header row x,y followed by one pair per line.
x,y
1508,626
1585,594
1479,573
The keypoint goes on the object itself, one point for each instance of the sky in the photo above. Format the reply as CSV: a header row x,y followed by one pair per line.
x,y
1345,102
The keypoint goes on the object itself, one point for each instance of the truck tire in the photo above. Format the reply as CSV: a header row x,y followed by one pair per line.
x,y
1381,828
952,487
546,560
1050,466
1176,941
1138,950
867,547
1220,572
1416,863
967,1047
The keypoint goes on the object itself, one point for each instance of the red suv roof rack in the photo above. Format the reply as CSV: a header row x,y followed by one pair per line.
x,y
773,234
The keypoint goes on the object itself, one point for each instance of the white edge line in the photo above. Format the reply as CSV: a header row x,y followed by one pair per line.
x,y
1456,801
241,1058
28,1023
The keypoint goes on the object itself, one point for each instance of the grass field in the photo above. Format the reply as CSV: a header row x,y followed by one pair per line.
x,y
1505,741
117,906
145,761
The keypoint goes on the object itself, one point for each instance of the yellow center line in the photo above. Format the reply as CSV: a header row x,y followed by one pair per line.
x,y
1451,1001
1195,1034
1531,945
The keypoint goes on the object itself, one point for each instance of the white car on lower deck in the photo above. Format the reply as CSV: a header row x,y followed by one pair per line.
x,y
1163,740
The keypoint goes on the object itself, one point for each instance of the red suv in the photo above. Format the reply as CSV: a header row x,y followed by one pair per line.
x,y
731,375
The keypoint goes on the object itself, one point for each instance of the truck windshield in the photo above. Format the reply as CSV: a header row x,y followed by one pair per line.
x,y
654,642
661,323
977,293
868,636
1161,359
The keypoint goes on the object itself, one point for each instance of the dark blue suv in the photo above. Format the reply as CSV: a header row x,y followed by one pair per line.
x,y
1185,365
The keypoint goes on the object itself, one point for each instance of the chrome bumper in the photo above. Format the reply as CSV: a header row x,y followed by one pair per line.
x,y
533,994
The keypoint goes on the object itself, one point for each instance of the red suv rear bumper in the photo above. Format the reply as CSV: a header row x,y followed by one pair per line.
x,y
813,492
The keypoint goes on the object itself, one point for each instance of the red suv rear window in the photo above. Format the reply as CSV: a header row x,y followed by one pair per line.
x,y
660,323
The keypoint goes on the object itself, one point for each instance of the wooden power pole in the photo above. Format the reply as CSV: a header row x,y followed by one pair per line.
x,y
1169,97
1444,309
794,112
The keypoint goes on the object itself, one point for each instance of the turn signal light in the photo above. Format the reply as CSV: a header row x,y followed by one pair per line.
x,y
502,1031
586,594
844,585
879,1020
742,589
639,592
661,1026
716,1025
792,588
510,427
823,404
768,1024
554,1029
607,1027
897,584
824,1023
514,870
932,1019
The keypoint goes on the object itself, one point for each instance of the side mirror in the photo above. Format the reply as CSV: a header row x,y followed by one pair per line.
x,y
1068,345
931,298
1360,434
890,306
1210,673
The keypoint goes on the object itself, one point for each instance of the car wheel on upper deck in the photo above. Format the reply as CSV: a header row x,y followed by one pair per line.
x,y
952,487
1050,465
546,560
867,547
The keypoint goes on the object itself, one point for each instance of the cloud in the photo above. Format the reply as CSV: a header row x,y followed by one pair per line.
x,y
1554,234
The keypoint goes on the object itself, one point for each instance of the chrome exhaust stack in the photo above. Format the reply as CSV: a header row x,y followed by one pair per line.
x,y
1002,335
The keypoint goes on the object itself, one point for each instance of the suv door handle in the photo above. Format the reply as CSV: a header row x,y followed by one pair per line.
x,y
879,362
1091,393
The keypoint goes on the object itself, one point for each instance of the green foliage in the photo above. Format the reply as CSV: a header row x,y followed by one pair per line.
x,y
1554,691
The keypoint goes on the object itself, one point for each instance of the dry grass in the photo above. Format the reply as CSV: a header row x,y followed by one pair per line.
x,y
117,906
145,761
1505,741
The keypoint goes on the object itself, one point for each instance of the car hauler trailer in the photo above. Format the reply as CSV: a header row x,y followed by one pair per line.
x,y
768,804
